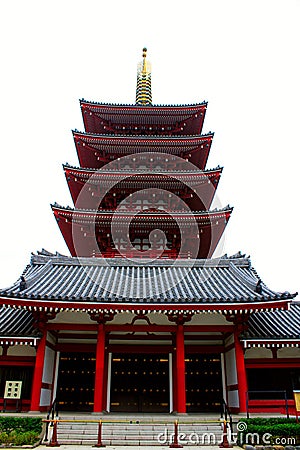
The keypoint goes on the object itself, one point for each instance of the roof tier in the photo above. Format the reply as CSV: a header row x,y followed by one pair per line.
x,y
19,324
137,119
143,234
282,325
225,284
106,189
97,150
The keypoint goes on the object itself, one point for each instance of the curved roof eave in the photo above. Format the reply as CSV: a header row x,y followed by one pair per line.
x,y
146,107
194,308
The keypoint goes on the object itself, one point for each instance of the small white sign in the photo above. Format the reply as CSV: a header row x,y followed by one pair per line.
x,y
13,390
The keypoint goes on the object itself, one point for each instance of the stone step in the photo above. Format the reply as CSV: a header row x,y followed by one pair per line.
x,y
107,426
164,418
139,432
111,443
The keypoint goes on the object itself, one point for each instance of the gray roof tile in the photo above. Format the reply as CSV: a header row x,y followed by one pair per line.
x,y
281,324
224,280
17,322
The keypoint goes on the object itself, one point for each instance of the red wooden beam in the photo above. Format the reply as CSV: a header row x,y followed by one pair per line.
x,y
16,363
270,363
204,349
8,358
71,326
138,337
153,337
169,328
76,336
123,348
70,348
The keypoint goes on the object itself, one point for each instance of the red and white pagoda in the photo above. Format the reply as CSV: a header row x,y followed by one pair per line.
x,y
140,317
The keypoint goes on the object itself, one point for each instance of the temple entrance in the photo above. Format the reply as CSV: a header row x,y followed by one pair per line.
x,y
75,387
203,382
139,383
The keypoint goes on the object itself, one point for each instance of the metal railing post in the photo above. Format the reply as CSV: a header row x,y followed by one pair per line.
x,y
99,441
247,404
286,405
54,442
175,443
225,443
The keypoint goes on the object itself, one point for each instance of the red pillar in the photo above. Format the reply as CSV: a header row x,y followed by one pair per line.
x,y
174,375
180,370
105,375
99,372
241,372
38,374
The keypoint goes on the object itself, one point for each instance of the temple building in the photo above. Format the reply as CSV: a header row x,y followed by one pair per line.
x,y
142,317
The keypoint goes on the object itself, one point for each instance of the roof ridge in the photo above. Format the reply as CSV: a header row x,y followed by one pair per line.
x,y
123,262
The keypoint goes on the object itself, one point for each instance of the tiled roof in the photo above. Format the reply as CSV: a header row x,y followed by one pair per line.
x,y
138,172
17,323
212,281
134,106
275,324
101,118
136,144
157,216
140,139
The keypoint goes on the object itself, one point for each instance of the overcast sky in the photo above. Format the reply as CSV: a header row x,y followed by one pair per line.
x,y
241,56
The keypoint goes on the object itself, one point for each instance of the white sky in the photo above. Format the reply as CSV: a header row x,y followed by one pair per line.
x,y
242,56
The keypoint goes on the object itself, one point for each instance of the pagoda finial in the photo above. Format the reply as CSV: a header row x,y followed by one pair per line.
x,y
143,86
144,61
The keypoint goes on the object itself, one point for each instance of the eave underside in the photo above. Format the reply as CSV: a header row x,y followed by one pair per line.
x,y
166,235
96,151
102,189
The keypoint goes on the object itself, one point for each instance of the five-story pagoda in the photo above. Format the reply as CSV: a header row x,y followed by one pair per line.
x,y
142,189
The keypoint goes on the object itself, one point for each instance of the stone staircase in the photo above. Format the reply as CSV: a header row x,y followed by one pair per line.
x,y
138,431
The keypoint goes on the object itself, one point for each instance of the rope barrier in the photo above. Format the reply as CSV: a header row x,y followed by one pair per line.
x,y
132,422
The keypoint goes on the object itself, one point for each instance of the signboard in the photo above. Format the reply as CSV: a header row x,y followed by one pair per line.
x,y
13,390
297,400
297,403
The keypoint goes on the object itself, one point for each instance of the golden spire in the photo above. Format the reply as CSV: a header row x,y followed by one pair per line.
x,y
143,86
144,71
